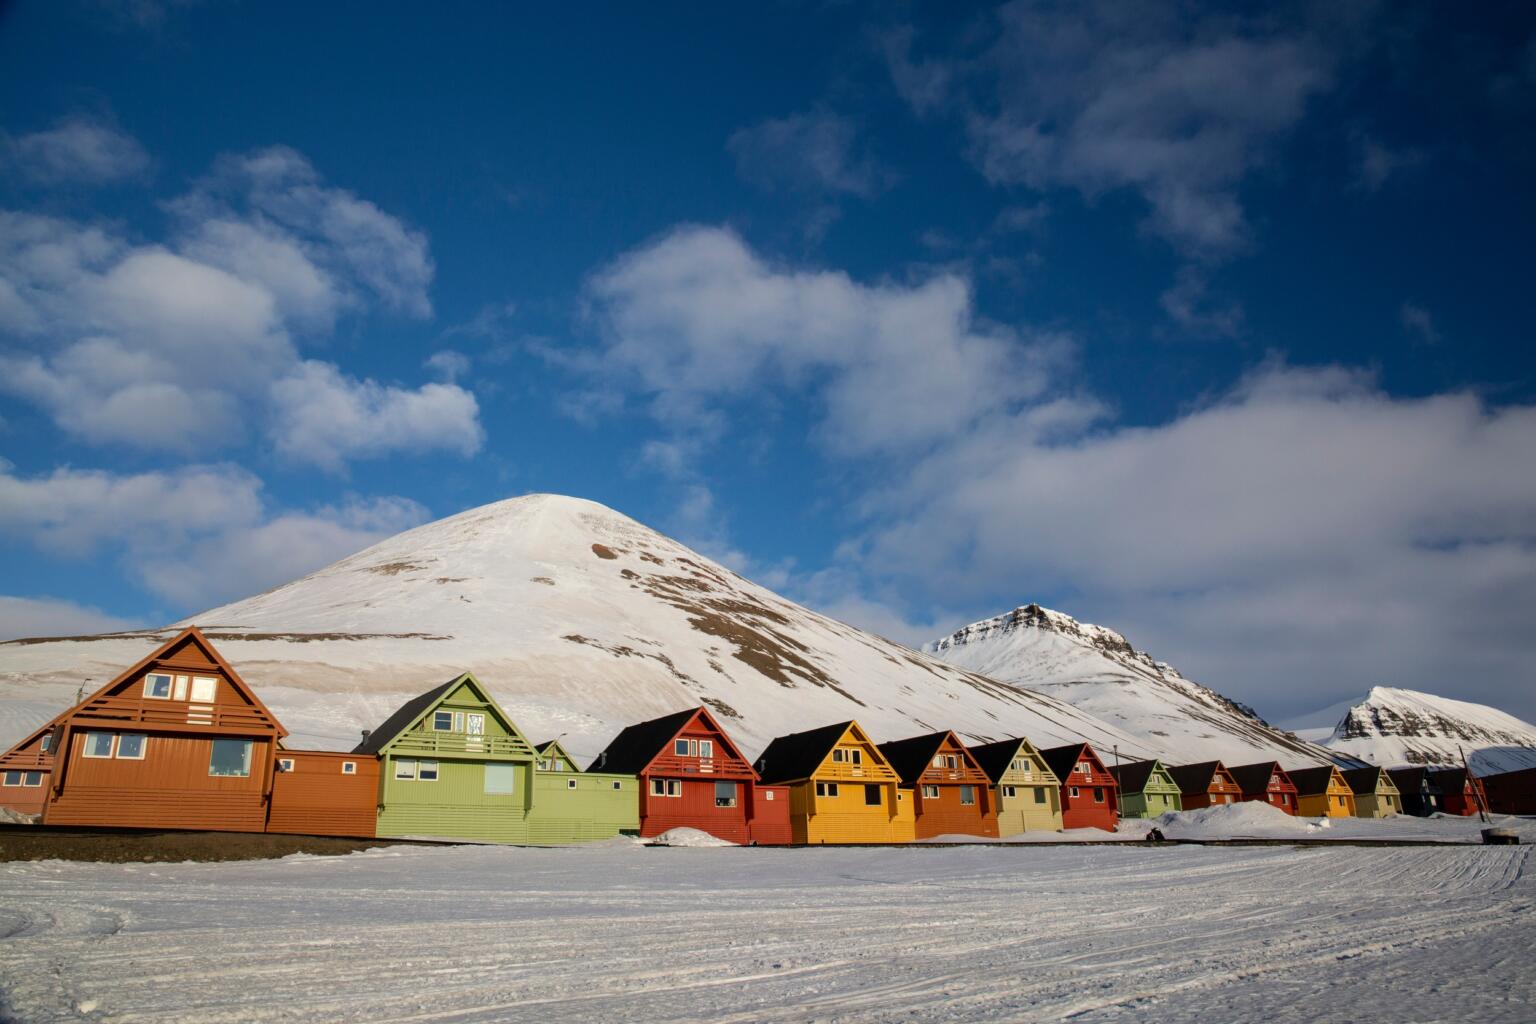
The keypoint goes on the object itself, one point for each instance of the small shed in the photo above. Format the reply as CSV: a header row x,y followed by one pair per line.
x,y
1266,781
1376,795
1089,794
841,789
1025,790
692,775
1207,784
573,806
1420,793
1146,789
324,793
1321,792
1511,792
1461,791
949,792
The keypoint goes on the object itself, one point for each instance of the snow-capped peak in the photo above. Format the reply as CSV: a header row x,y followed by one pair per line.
x,y
1393,726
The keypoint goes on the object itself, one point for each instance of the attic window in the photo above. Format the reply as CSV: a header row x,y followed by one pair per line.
x,y
47,742
706,748
349,767
680,748
157,686
204,689
1084,768
938,760
951,761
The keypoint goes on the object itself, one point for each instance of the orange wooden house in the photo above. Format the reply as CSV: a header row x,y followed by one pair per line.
x,y
1461,792
25,770
948,790
324,793
1207,784
841,790
1090,797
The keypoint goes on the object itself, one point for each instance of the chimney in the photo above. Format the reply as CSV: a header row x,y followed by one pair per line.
x,y
366,734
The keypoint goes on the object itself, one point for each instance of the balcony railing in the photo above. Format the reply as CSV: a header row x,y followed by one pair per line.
x,y
459,744
139,711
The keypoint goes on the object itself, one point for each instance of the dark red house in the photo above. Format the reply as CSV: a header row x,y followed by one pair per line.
x,y
950,793
1511,792
1090,797
1460,791
1207,784
1266,781
693,776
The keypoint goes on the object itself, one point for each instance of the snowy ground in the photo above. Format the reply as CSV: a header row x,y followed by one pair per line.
x,y
623,933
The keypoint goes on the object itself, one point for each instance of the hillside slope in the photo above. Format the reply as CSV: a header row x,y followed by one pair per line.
x,y
1393,727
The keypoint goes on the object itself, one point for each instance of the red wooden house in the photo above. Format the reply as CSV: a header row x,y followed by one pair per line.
x,y
25,770
693,776
1266,781
1460,791
1090,797
176,741
950,792
1207,784
1511,792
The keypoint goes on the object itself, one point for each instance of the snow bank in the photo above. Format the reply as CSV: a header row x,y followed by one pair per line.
x,y
689,837
10,817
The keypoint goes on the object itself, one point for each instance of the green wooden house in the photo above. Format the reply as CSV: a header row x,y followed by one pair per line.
x,y
573,806
1147,789
455,765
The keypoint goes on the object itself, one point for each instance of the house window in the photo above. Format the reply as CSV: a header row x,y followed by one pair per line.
x,y
47,743
349,767
938,760
285,764
1016,764
951,761
837,755
1340,800
1098,796
204,689
570,783
826,789
157,685
666,787
680,748
725,794
500,779
871,795
617,784
706,748
130,746
405,768
1074,792
426,771
930,792
1009,791
1040,796
34,779
1285,799
967,795
1084,768
98,744
13,778
230,758
442,721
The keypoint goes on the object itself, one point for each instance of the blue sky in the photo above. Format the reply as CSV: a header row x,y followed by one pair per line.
x,y
1213,325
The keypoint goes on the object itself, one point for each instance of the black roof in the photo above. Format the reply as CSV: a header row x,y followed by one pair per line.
x,y
912,756
404,715
1419,780
1449,778
994,758
1063,759
638,745
1253,779
1311,780
1363,780
797,755
1194,778
1133,776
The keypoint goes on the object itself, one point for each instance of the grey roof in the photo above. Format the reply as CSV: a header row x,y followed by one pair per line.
x,y
404,715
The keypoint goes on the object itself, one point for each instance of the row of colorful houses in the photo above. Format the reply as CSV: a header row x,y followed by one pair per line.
x,y
180,741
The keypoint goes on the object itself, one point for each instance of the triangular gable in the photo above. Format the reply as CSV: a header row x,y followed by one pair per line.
x,y
883,772
637,747
19,750
1255,779
1135,776
166,656
800,756
552,751
1063,759
912,758
996,759
414,711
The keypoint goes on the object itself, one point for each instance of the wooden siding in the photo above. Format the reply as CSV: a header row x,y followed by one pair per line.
x,y
1034,807
769,824
943,812
695,807
1337,802
26,760
169,788
848,817
1098,797
455,804
317,798
592,809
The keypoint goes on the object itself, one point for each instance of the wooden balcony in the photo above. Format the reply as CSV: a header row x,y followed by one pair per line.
x,y
179,716
27,760
428,743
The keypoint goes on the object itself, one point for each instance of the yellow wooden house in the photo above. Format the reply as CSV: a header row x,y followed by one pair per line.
x,y
1026,791
841,789
1322,792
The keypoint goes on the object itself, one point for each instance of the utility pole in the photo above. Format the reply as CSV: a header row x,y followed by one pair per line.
x,y
1477,791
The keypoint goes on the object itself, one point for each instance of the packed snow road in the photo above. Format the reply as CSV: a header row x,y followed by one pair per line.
x,y
620,933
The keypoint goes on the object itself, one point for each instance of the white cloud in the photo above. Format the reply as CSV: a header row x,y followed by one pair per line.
x,y
324,417
185,346
1105,96
194,535
47,616
448,365
77,149
817,151
1186,303
696,319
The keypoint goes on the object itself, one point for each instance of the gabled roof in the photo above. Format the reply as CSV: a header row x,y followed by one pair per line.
x,y
194,636
1134,777
1367,779
30,738
1195,778
798,755
1311,781
1450,778
1420,781
417,708
994,758
1063,759
912,756
1253,779
633,749
552,749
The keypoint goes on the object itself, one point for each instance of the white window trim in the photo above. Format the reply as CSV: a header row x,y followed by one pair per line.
x,y
1075,793
213,694
570,783
85,750
436,728
31,785
285,764
930,792
20,778
117,747
617,784
1010,791
421,766
400,763
170,685
349,767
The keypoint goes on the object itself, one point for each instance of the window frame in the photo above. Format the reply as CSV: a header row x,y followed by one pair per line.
x,y
874,789
1075,793
680,747
213,690
828,790
6,781
422,769
170,685
963,801
617,784
734,797
570,783
28,776
90,737
285,764
117,746
399,774
213,747
930,791
349,767
1010,791
438,716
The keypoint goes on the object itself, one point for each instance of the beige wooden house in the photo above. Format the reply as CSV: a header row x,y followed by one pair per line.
x,y
1027,793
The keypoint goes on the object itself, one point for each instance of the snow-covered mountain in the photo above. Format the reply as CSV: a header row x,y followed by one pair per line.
x,y
1098,671
1393,727
581,621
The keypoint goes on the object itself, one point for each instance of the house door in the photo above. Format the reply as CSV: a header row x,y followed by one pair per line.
x,y
476,728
